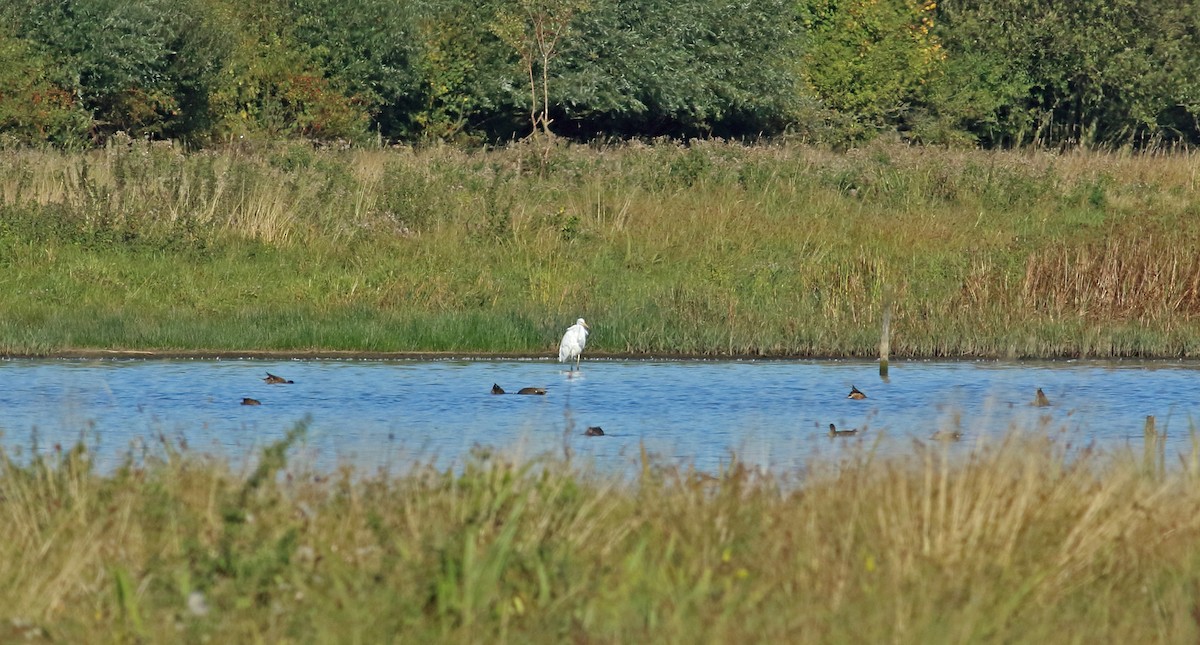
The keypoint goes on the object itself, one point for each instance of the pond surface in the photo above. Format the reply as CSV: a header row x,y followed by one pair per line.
x,y
393,414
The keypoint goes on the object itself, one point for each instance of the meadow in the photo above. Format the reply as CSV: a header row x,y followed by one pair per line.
x,y
707,249
1024,539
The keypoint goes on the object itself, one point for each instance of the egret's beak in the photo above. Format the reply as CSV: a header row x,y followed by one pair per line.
x,y
587,326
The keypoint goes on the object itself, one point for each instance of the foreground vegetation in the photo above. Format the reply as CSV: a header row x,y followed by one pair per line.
x,y
707,249
1020,541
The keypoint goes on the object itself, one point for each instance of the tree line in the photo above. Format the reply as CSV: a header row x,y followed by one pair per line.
x,y
993,73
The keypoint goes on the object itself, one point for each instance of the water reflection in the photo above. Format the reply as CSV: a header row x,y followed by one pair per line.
x,y
392,414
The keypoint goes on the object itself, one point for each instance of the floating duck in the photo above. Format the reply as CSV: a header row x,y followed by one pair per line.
x,y
1040,399
856,394
834,432
947,435
249,401
594,431
271,378
496,389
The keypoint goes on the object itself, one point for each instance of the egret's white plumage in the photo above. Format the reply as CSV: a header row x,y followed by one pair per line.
x,y
573,342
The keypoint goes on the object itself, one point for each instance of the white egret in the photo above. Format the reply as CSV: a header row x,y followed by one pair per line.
x,y
573,342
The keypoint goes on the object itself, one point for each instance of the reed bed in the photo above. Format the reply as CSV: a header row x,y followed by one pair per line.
x,y
711,248
1019,539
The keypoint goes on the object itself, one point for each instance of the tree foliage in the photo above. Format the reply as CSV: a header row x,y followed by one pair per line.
x,y
868,60
536,30
33,108
365,48
977,72
274,83
143,67
1073,72
464,72
685,68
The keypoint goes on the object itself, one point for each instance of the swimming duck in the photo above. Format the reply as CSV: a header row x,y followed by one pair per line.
x,y
271,378
532,390
249,401
1040,399
594,431
834,432
856,394
496,389
947,435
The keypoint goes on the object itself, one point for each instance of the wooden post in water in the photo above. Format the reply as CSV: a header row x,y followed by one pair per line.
x,y
1194,461
885,338
1150,453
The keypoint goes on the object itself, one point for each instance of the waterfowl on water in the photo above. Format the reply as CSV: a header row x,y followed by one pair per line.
x,y
856,394
271,378
594,431
249,401
834,432
1040,399
573,342
496,389
947,435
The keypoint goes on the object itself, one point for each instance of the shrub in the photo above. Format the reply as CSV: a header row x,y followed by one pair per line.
x,y
142,67
33,109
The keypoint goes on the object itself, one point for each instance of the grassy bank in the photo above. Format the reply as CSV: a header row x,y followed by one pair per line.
x,y
1015,543
710,249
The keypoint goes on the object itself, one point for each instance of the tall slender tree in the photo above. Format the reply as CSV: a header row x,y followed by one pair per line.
x,y
535,29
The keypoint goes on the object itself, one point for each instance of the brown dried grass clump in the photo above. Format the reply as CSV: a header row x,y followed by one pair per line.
x,y
1125,279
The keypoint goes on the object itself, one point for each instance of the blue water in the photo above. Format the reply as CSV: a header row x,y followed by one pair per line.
x,y
394,414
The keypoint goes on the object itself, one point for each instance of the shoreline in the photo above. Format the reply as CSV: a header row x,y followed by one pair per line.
x,y
204,354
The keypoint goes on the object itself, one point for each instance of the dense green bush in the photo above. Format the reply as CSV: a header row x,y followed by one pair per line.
x,y
144,67
1108,72
366,48
33,108
681,68
275,85
867,60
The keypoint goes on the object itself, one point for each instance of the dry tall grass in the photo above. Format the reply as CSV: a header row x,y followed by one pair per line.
x,y
712,248
1020,540
1143,279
